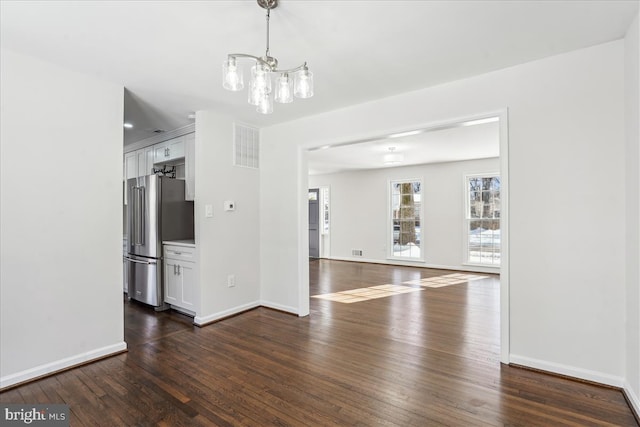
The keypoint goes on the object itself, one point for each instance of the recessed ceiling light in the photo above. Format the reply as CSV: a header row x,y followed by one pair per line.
x,y
128,125
409,133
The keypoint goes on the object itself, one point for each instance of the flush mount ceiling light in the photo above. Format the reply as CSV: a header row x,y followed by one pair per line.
x,y
260,83
392,158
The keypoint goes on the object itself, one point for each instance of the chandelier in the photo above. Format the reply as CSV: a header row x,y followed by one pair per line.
x,y
291,82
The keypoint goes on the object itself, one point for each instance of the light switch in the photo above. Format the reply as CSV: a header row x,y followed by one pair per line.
x,y
208,211
229,205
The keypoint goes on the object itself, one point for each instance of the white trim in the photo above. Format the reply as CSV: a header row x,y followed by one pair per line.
x,y
58,365
495,268
404,263
570,371
202,320
390,255
633,398
467,209
505,318
161,137
303,238
502,114
280,307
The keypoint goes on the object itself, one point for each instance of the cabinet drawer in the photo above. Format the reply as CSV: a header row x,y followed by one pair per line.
x,y
180,253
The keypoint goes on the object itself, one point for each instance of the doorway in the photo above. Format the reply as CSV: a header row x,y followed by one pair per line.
x,y
345,251
314,223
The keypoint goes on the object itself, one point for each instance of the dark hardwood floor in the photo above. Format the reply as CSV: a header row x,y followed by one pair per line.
x,y
423,358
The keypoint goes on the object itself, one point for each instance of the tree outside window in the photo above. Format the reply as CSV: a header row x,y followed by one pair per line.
x,y
483,219
405,213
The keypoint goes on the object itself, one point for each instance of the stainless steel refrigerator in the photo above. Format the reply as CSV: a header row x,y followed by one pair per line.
x,y
156,212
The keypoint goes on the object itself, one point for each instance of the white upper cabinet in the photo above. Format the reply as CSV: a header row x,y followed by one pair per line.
x,y
145,161
190,166
130,165
169,150
178,152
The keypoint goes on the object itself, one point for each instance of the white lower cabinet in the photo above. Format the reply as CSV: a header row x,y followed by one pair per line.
x,y
180,280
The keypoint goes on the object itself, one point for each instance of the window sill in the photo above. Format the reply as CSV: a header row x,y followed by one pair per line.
x,y
473,264
392,258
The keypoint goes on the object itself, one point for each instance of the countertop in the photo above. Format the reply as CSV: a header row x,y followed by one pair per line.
x,y
187,243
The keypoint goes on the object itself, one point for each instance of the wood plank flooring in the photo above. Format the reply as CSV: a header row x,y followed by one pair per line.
x,y
423,358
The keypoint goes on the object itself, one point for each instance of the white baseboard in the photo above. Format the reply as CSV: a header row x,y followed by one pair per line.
x,y
421,264
633,397
570,371
203,320
280,307
61,364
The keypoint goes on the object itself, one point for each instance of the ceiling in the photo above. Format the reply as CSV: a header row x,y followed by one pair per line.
x,y
455,143
169,54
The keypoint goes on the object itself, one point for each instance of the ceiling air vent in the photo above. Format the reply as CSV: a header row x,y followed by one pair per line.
x,y
159,131
246,146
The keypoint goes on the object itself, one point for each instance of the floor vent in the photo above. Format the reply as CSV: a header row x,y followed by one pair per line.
x,y
356,252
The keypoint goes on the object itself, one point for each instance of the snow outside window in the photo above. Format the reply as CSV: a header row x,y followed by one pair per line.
x,y
482,223
406,200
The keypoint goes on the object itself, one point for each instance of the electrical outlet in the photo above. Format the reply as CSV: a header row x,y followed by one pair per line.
x,y
231,280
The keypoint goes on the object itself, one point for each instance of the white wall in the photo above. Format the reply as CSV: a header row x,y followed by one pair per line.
x,y
227,242
632,110
284,248
566,150
359,217
61,218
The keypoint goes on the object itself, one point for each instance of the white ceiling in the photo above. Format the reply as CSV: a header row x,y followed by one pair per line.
x,y
168,54
479,141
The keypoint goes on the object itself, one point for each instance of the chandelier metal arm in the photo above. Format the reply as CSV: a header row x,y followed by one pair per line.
x,y
267,64
292,70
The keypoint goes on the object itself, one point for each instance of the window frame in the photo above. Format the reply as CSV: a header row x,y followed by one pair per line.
x,y
466,218
389,225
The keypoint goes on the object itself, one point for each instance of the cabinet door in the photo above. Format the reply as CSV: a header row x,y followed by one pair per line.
x,y
172,285
148,162
190,166
142,162
169,150
130,165
176,148
160,153
188,280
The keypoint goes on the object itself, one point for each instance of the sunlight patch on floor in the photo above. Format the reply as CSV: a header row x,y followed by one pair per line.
x,y
446,280
365,294
382,291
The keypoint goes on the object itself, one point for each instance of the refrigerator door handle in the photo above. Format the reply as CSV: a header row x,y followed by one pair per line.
x,y
140,262
138,216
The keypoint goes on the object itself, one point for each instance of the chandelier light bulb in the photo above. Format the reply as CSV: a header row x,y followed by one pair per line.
x,y
232,76
265,106
260,78
284,92
303,84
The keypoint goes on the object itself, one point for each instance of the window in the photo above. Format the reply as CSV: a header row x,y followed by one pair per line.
x,y
324,200
405,224
482,224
